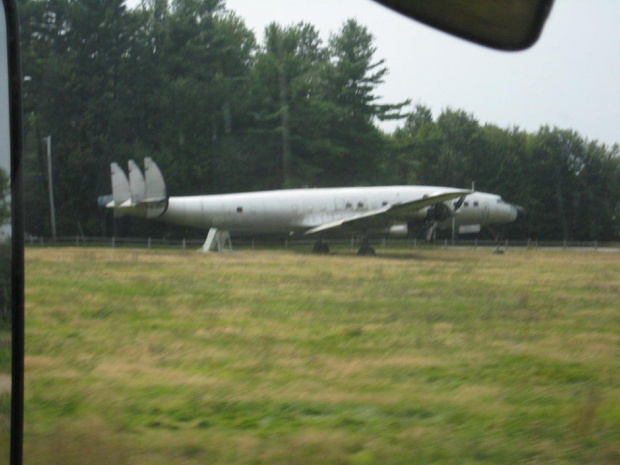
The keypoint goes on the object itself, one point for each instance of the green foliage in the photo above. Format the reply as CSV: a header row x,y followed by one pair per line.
x,y
568,185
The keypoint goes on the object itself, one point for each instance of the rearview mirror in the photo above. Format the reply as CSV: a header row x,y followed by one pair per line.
x,y
505,25
11,241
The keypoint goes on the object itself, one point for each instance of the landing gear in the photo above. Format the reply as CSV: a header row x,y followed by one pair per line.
x,y
366,249
320,248
217,241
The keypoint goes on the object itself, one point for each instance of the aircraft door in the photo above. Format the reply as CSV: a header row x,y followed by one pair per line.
x,y
485,212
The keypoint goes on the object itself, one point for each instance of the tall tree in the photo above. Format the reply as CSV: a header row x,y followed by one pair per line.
x,y
417,150
287,84
353,78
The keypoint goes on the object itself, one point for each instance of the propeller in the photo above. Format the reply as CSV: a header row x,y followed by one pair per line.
x,y
439,212
459,202
430,231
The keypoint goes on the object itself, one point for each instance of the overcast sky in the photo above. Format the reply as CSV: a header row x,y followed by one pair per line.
x,y
569,79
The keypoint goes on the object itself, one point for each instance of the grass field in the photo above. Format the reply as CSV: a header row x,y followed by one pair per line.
x,y
261,357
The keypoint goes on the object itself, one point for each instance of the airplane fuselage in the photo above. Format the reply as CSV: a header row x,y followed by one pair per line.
x,y
297,210
326,212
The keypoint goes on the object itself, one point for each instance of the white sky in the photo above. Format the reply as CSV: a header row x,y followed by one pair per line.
x,y
569,79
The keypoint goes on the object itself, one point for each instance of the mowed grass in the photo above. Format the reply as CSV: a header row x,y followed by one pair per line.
x,y
261,357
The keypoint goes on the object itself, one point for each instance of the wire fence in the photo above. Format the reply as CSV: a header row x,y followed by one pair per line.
x,y
294,243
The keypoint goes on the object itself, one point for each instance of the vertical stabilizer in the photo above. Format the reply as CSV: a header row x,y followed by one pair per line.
x,y
120,185
137,185
155,186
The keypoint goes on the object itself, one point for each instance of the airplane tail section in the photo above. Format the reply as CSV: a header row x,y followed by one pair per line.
x,y
137,185
138,195
155,186
121,194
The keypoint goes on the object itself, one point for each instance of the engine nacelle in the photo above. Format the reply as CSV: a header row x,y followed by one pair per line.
x,y
398,230
439,212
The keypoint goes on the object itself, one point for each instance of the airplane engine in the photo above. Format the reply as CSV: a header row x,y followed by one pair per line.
x,y
439,212
398,230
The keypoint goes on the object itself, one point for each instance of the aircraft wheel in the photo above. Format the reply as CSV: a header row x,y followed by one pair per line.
x,y
320,248
367,251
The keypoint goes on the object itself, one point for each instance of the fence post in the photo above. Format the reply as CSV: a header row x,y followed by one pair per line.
x,y
183,243
149,242
595,245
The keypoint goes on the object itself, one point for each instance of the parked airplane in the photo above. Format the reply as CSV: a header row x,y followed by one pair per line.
x,y
322,212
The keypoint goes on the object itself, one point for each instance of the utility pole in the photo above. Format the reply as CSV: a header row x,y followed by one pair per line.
x,y
50,185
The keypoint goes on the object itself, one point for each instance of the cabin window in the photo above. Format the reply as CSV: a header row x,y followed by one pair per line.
x,y
239,209
384,203
360,204
466,204
475,204
348,205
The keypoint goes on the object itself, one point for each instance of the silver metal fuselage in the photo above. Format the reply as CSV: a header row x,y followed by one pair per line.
x,y
297,210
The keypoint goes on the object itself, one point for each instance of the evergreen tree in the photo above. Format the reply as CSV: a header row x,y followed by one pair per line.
x,y
352,81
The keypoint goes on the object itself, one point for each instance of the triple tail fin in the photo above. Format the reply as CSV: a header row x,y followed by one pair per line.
x,y
137,186
156,197
138,195
120,189
155,186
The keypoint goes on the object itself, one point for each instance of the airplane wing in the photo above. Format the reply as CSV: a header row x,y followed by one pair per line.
x,y
383,215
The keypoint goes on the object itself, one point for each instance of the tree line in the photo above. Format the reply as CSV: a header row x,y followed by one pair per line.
x,y
187,83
